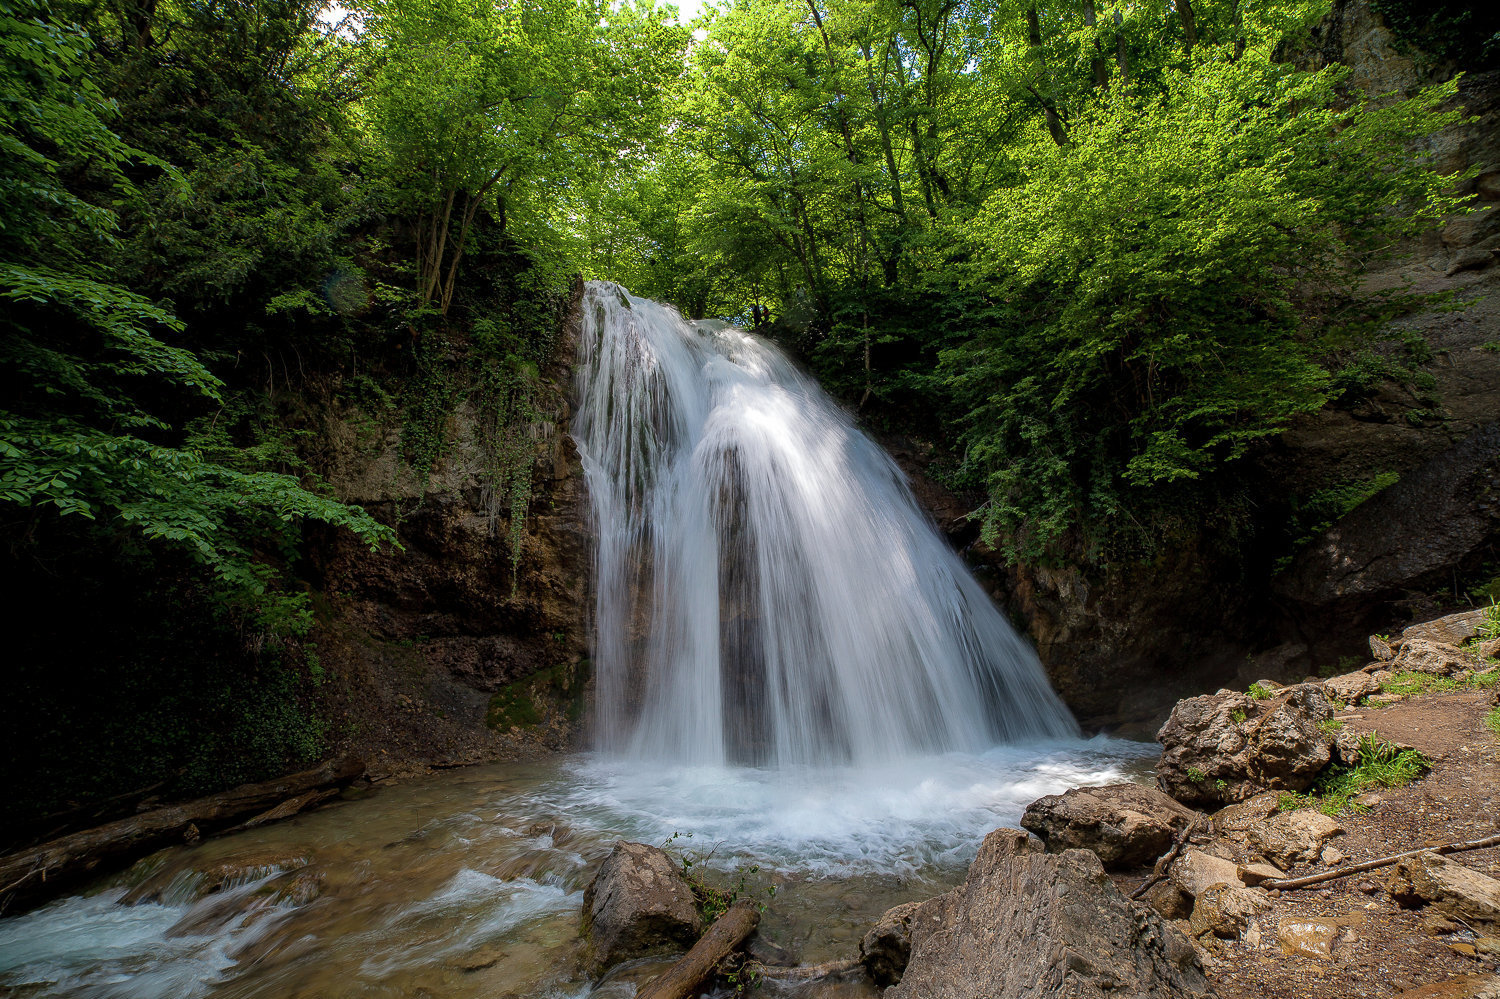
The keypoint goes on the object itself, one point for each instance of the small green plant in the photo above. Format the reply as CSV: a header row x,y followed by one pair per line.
x,y
1489,625
1196,776
1493,346
1381,764
1259,691
1492,720
1330,725
1221,785
712,900
1237,716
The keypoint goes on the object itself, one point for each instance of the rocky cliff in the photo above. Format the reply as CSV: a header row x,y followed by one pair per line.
x,y
471,642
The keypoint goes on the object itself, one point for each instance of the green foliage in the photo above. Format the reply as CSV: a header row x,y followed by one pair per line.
x,y
713,900
1407,683
1467,34
1237,716
1196,775
1489,625
1492,720
1381,764
1260,692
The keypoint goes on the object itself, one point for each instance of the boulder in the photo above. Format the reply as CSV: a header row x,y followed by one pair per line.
x,y
1350,687
1254,874
1432,879
1225,910
1381,649
1195,872
886,948
1233,820
1027,924
1489,649
1289,838
1169,900
1422,655
1226,747
637,904
1455,629
1127,825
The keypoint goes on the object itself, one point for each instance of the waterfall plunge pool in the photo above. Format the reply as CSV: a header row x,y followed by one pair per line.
x,y
470,883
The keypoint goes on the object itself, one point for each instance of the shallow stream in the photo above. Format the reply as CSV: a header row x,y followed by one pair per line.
x,y
470,883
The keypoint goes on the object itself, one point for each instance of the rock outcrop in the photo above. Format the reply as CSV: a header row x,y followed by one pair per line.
x,y
1125,825
1432,879
1026,923
1226,747
1290,838
637,904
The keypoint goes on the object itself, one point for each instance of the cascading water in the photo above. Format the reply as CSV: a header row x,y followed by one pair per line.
x,y
768,590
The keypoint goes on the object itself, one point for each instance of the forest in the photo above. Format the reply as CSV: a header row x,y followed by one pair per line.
x,y
1097,252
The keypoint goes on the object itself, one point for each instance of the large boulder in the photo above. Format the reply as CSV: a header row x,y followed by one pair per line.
x,y
637,904
1432,879
1351,687
1455,629
1026,923
1422,655
1227,747
1125,824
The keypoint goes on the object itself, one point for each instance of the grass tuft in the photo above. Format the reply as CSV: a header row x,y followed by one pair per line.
x,y
1381,764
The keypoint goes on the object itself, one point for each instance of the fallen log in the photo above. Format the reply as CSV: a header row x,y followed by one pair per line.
x,y
29,877
722,939
805,972
1369,865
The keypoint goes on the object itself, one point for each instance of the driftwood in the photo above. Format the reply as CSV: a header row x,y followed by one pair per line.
x,y
805,972
1370,865
1164,863
722,939
29,877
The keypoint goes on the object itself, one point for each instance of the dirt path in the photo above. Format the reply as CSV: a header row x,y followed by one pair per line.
x,y
1380,949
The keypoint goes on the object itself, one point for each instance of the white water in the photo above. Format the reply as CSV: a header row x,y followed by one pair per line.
x,y
768,590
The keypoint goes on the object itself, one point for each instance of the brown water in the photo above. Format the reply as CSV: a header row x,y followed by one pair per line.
x,y
470,883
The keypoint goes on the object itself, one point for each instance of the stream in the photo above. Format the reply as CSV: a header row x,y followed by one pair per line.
x,y
470,882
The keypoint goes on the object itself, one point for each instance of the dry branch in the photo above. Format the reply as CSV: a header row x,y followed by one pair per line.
x,y
721,940
1370,865
31,876
1164,862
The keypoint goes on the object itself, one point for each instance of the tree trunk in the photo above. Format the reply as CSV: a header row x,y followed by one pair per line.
x,y
1189,24
722,939
1098,65
1121,56
29,877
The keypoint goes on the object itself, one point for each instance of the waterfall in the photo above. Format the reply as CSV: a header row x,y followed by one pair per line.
x,y
768,591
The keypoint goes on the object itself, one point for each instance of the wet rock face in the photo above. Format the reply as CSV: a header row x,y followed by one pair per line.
x,y
1025,923
637,904
1227,747
1126,825
424,639
886,948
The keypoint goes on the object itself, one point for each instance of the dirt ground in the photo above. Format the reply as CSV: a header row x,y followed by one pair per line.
x,y
1382,950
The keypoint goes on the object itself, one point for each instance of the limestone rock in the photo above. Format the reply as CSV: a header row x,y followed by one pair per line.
x,y
1195,872
1169,900
1490,649
1350,687
1233,820
1226,910
1029,924
1422,655
1467,987
886,947
1226,747
1125,824
1454,629
1381,649
1307,937
637,904
1289,838
1254,874
1429,878
1346,746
